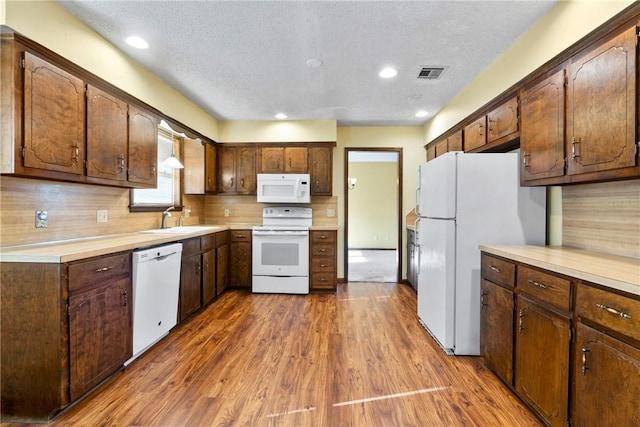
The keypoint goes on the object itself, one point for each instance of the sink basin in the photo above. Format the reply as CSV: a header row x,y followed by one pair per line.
x,y
181,230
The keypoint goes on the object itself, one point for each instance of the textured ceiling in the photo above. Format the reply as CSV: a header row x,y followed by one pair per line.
x,y
242,60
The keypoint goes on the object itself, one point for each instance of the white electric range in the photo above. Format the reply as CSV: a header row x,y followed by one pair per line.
x,y
281,251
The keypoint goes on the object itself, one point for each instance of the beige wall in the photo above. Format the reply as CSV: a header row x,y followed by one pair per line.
x,y
373,213
49,24
278,131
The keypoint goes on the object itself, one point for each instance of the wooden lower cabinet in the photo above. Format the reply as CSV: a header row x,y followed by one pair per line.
x,y
208,276
606,374
542,361
240,259
322,261
496,329
190,278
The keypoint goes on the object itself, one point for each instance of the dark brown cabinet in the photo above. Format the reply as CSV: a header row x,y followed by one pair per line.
x,y
143,147
475,134
283,159
240,259
237,169
496,315
199,173
502,122
100,328
321,170
209,266
322,261
190,278
107,135
542,135
222,261
54,118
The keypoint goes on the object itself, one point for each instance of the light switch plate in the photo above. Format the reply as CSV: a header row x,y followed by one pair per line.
x,y
331,213
102,215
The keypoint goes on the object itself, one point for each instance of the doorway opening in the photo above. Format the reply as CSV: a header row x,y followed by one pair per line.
x,y
373,215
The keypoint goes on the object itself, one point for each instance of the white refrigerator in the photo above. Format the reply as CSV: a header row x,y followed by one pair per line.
x,y
464,200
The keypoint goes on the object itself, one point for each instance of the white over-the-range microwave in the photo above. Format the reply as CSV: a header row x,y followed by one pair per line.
x,y
284,188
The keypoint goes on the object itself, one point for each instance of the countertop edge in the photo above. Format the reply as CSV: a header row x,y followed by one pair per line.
x,y
534,255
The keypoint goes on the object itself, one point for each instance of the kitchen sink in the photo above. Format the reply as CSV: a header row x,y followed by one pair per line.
x,y
181,230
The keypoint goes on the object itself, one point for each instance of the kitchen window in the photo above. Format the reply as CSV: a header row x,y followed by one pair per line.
x,y
167,192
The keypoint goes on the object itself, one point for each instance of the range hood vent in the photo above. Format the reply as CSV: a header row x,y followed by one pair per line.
x,y
430,73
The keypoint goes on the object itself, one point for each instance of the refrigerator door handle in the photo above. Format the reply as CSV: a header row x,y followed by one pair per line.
x,y
418,201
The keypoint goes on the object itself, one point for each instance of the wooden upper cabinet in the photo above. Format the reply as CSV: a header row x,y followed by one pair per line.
x,y
601,106
143,147
542,135
106,135
271,159
210,185
296,159
199,173
237,169
441,147
454,141
226,169
475,135
321,170
431,151
502,123
54,118
283,159
246,170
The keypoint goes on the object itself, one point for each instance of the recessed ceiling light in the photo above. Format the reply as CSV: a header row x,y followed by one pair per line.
x,y
314,63
281,116
137,42
422,113
387,73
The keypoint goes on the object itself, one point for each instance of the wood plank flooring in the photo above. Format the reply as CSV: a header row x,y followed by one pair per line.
x,y
355,358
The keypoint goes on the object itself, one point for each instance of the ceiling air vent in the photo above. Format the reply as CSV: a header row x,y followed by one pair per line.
x,y
430,73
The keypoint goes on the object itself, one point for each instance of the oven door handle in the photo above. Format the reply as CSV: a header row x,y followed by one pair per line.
x,y
281,233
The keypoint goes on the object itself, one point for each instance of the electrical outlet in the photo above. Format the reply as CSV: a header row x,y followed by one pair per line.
x,y
226,212
187,212
331,213
102,215
42,218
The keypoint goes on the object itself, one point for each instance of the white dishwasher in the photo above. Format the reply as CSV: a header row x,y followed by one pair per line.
x,y
156,289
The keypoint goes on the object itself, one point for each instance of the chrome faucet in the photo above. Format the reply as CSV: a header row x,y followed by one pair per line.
x,y
165,215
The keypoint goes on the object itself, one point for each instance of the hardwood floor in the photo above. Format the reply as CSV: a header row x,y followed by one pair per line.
x,y
355,358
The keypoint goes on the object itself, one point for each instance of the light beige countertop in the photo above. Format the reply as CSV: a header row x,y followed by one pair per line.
x,y
323,228
74,249
617,272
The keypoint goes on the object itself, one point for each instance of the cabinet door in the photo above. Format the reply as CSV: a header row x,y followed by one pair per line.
x,y
190,287
272,159
208,276
54,118
106,135
100,339
222,262
193,158
601,110
227,169
503,121
296,160
441,148
143,147
496,329
246,171
431,152
542,134
454,142
607,380
321,171
475,135
210,184
240,265
542,361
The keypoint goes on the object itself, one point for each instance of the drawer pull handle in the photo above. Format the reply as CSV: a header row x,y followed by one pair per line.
x,y
323,236
100,270
482,303
614,311
496,269
520,327
584,361
323,280
322,250
239,236
538,284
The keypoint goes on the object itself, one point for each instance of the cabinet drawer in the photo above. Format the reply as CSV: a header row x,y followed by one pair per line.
x,y
498,271
321,250
323,264
222,238
545,287
323,236
616,312
207,242
323,281
240,235
99,270
190,247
